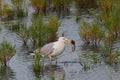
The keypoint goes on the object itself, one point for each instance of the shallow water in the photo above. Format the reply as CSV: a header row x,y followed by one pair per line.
x,y
20,66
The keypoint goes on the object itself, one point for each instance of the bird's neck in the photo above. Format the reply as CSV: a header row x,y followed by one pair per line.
x,y
61,42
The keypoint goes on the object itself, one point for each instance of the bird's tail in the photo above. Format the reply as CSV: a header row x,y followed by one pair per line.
x,y
31,52
37,51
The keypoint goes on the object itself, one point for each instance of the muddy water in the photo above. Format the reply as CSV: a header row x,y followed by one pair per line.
x,y
20,66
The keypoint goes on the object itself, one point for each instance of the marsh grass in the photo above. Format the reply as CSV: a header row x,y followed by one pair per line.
x,y
18,8
7,12
42,32
91,33
39,5
2,70
37,32
110,55
85,4
23,34
77,17
38,65
105,5
6,52
109,15
14,26
52,77
44,7
85,64
63,7
52,27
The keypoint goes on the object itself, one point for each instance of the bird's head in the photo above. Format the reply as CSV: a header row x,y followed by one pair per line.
x,y
72,42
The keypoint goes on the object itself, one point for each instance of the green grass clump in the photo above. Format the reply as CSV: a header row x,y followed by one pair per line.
x,y
23,34
42,32
37,65
52,27
39,5
109,15
91,33
18,8
44,7
7,13
6,52
85,3
37,32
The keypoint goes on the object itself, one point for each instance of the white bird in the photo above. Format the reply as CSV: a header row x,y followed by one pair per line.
x,y
54,49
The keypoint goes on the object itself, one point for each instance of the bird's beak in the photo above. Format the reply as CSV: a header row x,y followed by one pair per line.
x,y
72,42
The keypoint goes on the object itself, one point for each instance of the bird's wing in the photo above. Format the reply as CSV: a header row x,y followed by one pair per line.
x,y
47,49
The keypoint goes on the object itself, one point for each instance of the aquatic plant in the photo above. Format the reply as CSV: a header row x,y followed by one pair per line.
x,y
85,65
0,8
110,16
0,3
37,64
7,13
111,23
63,78
13,26
44,7
23,34
6,52
91,33
52,27
42,32
39,5
105,5
62,7
2,70
85,3
52,77
18,7
6,73
77,17
37,32
110,57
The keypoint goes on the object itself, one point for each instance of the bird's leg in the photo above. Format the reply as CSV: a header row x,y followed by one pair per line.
x,y
56,61
50,57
